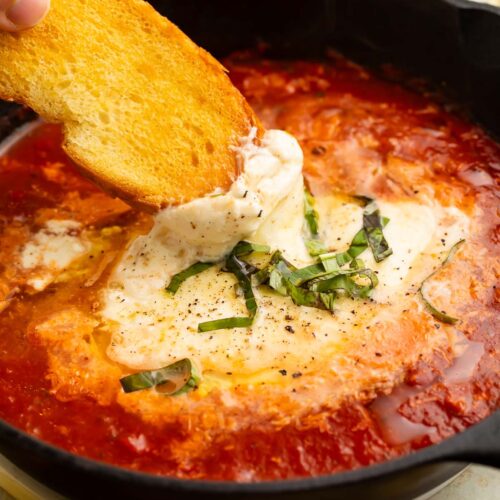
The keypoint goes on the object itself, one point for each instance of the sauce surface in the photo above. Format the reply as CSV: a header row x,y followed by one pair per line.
x,y
348,122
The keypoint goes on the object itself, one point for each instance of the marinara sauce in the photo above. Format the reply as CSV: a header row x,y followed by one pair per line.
x,y
321,103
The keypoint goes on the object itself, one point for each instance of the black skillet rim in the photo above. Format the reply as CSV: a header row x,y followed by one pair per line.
x,y
443,451
434,453
477,5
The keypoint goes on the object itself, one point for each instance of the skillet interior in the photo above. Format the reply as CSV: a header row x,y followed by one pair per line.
x,y
47,463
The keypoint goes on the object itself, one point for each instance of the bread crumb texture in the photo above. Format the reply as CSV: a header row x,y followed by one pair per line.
x,y
147,114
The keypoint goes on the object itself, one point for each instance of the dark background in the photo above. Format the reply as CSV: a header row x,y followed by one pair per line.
x,y
453,42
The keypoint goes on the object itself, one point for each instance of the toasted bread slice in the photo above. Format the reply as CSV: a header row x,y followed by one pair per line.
x,y
147,114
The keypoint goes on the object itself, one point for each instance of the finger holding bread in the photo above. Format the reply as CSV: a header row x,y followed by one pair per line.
x,y
17,15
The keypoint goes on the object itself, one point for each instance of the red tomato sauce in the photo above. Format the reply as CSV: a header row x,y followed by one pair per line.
x,y
321,104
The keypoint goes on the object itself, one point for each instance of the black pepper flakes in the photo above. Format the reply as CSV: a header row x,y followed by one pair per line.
x,y
283,372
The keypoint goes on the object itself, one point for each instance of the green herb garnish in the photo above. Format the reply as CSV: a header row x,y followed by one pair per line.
x,y
172,380
317,285
281,280
313,244
344,282
372,225
243,272
440,315
300,276
246,248
179,278
310,213
315,247
371,235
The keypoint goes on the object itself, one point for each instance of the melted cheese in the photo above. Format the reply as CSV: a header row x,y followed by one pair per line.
x,y
51,250
151,328
208,228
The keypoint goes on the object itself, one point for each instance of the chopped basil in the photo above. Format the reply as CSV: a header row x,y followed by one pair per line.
x,y
315,247
179,278
308,273
280,279
344,281
372,225
246,248
317,285
453,250
310,213
440,315
225,323
313,244
357,264
263,275
358,244
174,379
332,261
243,272
370,235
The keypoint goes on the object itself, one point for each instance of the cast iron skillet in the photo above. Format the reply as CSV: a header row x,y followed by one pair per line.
x,y
453,41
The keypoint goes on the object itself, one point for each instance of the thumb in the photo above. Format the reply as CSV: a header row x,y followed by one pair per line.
x,y
17,15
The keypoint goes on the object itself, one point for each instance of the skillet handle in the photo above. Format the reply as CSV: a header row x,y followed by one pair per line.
x,y
479,444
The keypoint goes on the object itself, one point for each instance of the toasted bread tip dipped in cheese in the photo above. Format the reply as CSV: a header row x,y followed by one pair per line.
x,y
147,114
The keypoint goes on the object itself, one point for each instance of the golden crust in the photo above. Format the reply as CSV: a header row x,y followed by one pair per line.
x,y
147,114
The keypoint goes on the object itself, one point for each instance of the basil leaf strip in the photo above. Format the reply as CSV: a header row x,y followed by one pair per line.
x,y
372,225
310,213
225,323
246,248
263,275
440,315
358,245
315,247
179,278
300,276
180,376
280,280
243,272
436,313
344,281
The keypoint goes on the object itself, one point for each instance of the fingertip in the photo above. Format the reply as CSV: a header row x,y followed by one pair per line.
x,y
25,14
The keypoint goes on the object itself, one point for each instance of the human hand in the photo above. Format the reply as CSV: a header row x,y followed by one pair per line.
x,y
16,15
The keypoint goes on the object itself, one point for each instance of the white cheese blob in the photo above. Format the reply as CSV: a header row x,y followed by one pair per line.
x,y
51,250
151,328
208,228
